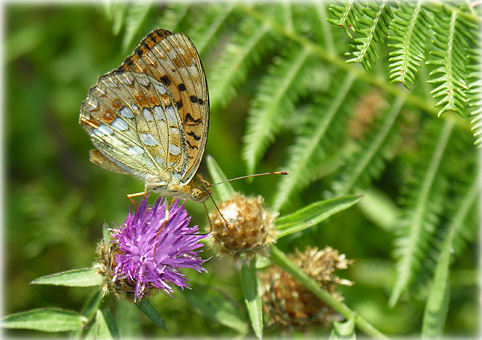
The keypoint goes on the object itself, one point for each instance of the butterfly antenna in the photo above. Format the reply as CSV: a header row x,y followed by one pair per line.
x,y
207,214
255,175
219,211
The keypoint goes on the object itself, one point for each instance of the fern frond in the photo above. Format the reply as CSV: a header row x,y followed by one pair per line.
x,y
135,16
116,12
274,100
346,16
307,147
453,38
205,32
475,96
411,31
175,16
453,242
374,29
369,161
422,208
239,56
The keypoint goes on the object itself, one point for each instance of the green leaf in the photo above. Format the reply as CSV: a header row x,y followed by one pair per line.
x,y
89,311
148,309
369,162
136,13
225,190
439,294
216,306
438,299
115,11
307,146
411,28
106,327
252,297
92,305
128,319
280,88
450,59
373,28
419,220
86,277
379,208
347,15
344,330
204,33
313,214
45,320
236,59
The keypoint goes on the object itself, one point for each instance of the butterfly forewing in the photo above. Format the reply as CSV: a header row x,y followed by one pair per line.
x,y
150,116
173,60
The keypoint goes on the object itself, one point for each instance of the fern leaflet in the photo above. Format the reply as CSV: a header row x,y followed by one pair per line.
x,y
369,162
136,14
437,302
411,28
475,97
347,16
451,42
204,33
274,99
422,211
374,30
238,57
307,146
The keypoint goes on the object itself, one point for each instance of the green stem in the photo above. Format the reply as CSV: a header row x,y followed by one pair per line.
x,y
279,258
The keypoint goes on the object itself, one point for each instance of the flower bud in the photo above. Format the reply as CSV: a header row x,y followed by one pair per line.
x,y
243,227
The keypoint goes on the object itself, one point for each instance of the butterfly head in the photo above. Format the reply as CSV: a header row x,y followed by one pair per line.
x,y
199,189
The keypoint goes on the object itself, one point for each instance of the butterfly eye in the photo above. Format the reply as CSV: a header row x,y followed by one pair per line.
x,y
196,194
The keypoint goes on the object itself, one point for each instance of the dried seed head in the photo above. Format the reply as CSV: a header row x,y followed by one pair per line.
x,y
249,227
289,303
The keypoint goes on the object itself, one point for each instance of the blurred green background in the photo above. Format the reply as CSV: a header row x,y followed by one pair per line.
x,y
56,201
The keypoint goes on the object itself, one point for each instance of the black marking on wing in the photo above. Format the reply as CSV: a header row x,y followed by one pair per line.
x,y
166,80
193,135
189,120
192,146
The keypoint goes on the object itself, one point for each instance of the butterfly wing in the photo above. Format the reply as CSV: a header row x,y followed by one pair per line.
x,y
136,116
172,60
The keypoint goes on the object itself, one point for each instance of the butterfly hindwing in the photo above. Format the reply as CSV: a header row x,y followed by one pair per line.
x,y
149,117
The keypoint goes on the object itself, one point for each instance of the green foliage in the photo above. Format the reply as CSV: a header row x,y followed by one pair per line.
x,y
377,148
346,15
323,128
422,208
453,36
411,32
455,33
274,101
282,97
373,28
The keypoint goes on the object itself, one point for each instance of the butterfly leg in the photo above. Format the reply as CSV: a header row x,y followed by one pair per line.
x,y
138,194
166,218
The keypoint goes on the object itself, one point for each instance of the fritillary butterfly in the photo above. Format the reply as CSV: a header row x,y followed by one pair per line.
x,y
149,117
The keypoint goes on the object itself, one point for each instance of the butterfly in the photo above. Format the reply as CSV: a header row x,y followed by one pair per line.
x,y
149,117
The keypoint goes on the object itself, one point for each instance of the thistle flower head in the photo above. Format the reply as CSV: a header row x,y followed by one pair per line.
x,y
149,249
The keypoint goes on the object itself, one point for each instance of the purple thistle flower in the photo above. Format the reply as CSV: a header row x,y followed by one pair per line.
x,y
151,251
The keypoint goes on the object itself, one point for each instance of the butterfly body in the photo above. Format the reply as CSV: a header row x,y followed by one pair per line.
x,y
149,117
